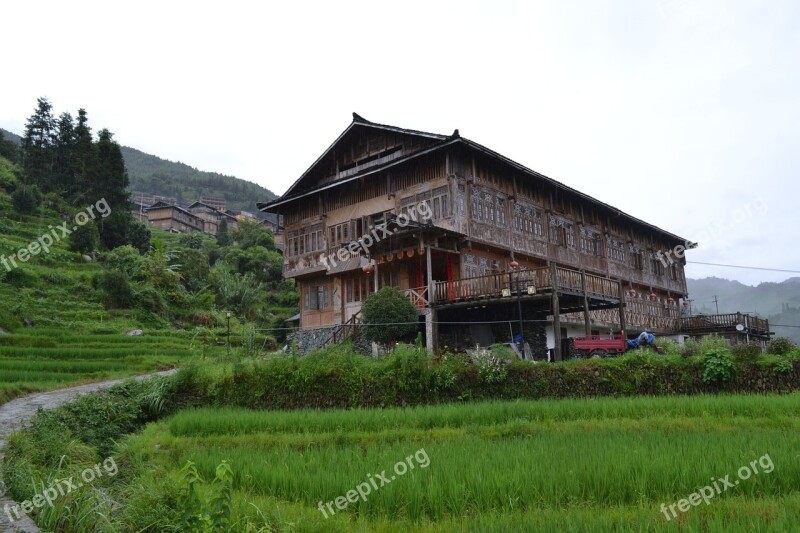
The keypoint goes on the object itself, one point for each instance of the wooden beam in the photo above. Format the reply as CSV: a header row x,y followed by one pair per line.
x,y
429,265
587,321
556,315
622,324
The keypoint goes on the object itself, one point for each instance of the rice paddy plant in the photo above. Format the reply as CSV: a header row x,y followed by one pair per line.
x,y
569,465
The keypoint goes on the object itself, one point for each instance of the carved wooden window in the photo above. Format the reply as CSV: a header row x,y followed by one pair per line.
x,y
462,202
616,250
637,257
590,241
441,203
357,287
673,272
343,233
528,219
562,232
316,297
657,265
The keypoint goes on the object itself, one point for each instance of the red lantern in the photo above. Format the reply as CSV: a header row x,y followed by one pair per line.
x,y
368,269
671,300
652,297
514,264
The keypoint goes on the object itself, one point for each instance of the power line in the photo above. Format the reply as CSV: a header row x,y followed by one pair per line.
x,y
746,267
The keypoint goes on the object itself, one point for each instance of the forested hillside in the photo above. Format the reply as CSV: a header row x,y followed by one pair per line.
x,y
154,175
151,174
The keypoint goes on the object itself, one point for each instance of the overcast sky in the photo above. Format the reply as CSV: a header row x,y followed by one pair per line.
x,y
682,113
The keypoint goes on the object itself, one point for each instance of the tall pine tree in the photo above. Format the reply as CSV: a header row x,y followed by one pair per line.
x,y
63,176
38,145
82,153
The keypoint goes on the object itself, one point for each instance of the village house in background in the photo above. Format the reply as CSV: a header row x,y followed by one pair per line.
x,y
166,213
506,246
206,215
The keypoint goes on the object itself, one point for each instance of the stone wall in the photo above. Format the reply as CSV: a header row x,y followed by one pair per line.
x,y
312,339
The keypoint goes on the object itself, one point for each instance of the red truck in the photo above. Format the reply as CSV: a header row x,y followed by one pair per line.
x,y
605,345
600,345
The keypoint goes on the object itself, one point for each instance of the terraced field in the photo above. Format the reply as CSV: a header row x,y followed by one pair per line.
x,y
598,465
52,358
55,330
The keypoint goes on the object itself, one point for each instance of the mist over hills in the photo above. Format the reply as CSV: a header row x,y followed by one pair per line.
x,y
779,302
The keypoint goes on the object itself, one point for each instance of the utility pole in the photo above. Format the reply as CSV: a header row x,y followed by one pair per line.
x,y
716,303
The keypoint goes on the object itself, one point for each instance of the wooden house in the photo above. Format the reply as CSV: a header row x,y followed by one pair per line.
x,y
174,218
504,248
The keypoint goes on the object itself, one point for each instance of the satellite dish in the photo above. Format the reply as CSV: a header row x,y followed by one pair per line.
x,y
740,327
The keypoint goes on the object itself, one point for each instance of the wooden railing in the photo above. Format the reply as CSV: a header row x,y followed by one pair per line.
x,y
346,330
492,285
725,321
659,317
418,297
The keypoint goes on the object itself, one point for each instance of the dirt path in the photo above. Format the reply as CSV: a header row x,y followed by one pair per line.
x,y
19,411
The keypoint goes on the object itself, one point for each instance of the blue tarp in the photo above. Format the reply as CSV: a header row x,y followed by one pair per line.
x,y
644,337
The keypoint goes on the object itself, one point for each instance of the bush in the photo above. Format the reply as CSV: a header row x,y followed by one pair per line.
x,y
26,198
388,316
746,352
718,365
139,236
117,286
125,259
85,239
192,240
780,346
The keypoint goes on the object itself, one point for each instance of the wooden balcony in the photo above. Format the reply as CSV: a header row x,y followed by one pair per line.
x,y
727,322
525,283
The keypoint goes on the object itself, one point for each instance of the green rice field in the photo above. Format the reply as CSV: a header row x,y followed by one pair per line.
x,y
570,465
51,358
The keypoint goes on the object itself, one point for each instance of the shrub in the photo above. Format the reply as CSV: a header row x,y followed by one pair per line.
x,y
139,236
85,239
388,316
718,365
746,352
117,286
490,368
192,240
26,198
125,259
780,346
713,342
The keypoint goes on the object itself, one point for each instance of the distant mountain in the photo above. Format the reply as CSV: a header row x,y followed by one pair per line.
x,y
153,175
11,136
779,302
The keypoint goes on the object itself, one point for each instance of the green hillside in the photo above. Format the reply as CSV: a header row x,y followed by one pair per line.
x,y
780,302
55,329
153,175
